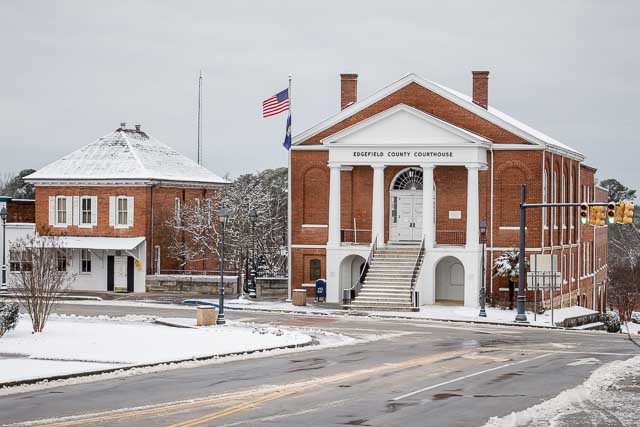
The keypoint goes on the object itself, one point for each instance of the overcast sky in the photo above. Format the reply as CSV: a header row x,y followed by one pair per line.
x,y
71,71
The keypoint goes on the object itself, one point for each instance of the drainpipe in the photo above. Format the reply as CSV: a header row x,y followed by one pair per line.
x,y
153,248
491,229
578,226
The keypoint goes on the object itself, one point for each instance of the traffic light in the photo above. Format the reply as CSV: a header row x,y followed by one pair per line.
x,y
628,213
602,216
611,213
597,216
619,213
584,213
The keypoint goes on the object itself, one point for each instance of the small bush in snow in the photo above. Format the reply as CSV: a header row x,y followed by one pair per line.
x,y
611,321
8,316
635,316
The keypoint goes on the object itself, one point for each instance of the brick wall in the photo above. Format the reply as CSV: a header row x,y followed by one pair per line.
x,y
103,229
423,99
21,211
148,222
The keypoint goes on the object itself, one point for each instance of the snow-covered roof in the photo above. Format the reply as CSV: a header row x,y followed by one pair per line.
x,y
126,154
491,114
95,243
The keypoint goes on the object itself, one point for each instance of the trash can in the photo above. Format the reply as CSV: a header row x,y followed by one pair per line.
x,y
299,297
321,290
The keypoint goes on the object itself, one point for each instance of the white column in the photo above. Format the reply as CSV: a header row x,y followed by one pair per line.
x,y
473,207
334,204
428,215
377,205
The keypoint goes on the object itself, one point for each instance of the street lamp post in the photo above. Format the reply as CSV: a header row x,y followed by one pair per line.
x,y
3,215
253,215
223,215
483,289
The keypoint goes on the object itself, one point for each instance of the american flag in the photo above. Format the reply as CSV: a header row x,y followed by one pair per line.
x,y
276,104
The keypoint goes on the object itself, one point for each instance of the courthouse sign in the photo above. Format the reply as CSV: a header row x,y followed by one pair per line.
x,y
406,156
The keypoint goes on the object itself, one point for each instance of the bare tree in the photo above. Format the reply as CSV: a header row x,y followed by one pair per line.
x,y
40,276
624,287
193,232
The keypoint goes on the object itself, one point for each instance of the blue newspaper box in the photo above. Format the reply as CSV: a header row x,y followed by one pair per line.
x,y
321,290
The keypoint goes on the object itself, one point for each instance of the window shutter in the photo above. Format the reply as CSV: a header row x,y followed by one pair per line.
x,y
130,211
69,209
52,210
76,210
112,211
94,210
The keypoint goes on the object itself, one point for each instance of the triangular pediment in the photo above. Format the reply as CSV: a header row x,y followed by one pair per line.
x,y
403,125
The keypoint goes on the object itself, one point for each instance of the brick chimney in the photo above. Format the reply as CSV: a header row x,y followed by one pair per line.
x,y
348,90
481,88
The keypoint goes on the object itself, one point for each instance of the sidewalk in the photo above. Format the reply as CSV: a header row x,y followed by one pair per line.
x,y
451,313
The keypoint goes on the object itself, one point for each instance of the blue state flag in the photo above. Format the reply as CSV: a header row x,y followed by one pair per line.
x,y
287,137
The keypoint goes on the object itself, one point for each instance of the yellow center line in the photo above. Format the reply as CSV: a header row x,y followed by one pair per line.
x,y
156,409
234,409
273,392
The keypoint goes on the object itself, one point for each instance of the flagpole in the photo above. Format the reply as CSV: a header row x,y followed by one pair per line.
x,y
200,119
289,249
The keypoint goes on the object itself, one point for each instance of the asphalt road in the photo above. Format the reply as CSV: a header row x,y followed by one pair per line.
x,y
404,373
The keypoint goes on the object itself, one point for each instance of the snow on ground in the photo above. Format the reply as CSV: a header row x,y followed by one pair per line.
x,y
611,389
634,328
494,315
326,340
438,312
76,344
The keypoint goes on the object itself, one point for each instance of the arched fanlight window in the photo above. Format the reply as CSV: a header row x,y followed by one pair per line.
x,y
411,179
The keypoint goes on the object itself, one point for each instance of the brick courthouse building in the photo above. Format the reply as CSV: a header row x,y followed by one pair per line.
x,y
416,160
108,204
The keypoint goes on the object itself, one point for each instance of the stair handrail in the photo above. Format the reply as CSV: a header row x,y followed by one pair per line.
x,y
416,270
358,284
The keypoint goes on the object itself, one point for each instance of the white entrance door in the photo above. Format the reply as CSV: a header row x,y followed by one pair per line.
x,y
409,217
120,274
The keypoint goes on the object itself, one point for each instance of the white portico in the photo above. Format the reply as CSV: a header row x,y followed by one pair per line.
x,y
418,143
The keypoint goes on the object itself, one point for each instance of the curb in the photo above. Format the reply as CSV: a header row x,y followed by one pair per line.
x,y
9,384
382,316
60,298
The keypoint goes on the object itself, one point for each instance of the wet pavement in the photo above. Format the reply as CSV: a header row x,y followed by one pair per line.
x,y
401,373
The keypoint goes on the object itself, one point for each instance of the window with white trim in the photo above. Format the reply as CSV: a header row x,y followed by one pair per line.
x,y
85,210
177,209
85,261
61,259
196,203
19,261
122,211
544,198
571,199
61,210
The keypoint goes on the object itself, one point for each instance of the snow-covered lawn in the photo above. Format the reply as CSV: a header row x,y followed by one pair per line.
x,y
71,344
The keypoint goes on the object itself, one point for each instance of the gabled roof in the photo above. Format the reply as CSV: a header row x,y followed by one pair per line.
x,y
411,112
126,154
490,114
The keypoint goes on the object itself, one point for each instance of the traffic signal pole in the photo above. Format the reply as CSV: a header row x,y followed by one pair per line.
x,y
521,317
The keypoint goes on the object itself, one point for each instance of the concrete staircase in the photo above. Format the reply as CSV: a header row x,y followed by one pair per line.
x,y
387,285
